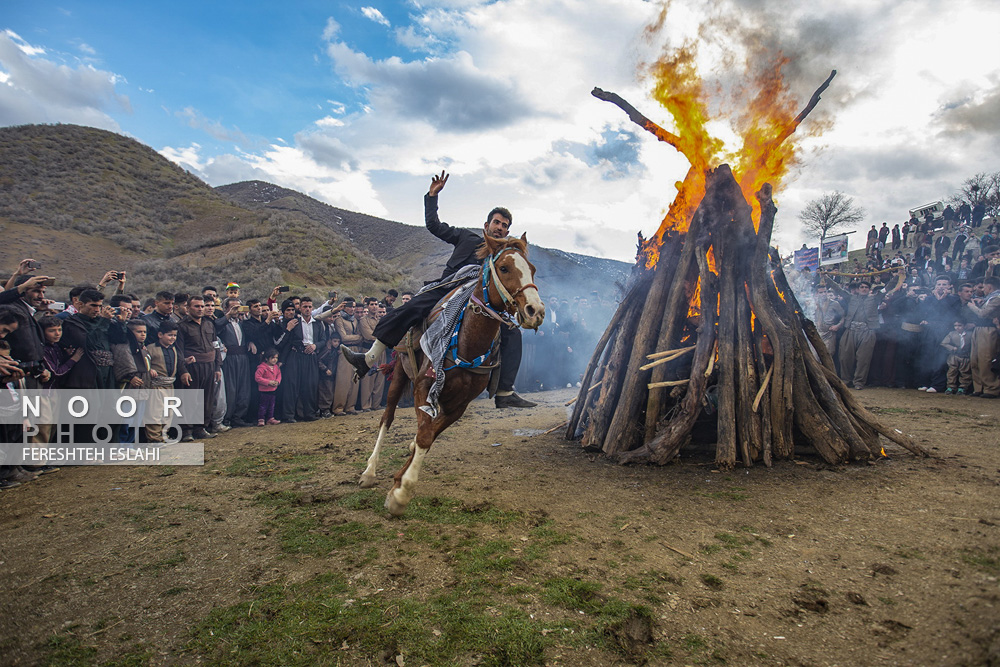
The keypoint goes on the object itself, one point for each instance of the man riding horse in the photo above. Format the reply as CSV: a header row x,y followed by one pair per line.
x,y
391,328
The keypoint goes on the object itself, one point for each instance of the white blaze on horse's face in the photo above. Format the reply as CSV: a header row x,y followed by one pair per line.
x,y
529,303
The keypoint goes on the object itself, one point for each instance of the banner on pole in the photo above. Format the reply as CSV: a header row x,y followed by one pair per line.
x,y
833,250
807,258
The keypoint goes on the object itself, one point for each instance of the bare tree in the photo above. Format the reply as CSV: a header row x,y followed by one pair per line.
x,y
983,188
830,211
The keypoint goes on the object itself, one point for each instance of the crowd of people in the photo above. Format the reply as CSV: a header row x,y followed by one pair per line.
x,y
925,319
258,361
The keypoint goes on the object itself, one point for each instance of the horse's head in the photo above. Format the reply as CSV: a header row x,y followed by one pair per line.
x,y
511,285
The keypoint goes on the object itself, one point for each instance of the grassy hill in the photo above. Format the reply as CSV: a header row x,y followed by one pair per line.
x,y
83,201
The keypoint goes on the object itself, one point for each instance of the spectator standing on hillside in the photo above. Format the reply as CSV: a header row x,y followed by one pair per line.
x,y
872,240
941,246
267,378
861,320
978,213
958,343
88,330
204,361
288,342
985,341
883,234
950,218
923,252
236,368
163,310
896,241
313,340
372,383
167,361
958,248
965,213
907,311
940,310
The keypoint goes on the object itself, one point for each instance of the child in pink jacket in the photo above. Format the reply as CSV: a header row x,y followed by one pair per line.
x,y
268,377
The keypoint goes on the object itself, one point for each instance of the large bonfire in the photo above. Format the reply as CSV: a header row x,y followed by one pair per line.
x,y
709,342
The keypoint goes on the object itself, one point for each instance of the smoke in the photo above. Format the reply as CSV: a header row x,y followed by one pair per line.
x,y
740,42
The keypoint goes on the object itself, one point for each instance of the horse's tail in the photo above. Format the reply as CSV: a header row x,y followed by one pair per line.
x,y
397,385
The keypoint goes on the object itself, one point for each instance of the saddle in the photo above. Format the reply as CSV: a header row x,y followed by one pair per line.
x,y
417,361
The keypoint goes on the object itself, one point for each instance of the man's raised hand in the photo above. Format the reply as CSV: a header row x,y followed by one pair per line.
x,y
437,184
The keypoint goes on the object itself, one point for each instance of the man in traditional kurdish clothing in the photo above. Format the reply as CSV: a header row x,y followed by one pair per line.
x,y
391,328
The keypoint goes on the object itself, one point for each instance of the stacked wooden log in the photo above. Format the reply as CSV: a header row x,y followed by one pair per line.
x,y
697,343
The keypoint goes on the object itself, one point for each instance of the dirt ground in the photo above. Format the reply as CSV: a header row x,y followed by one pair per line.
x,y
894,562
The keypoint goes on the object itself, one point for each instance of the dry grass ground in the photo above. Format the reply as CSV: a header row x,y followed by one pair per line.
x,y
519,549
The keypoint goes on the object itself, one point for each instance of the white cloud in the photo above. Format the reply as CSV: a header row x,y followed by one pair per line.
x,y
375,15
39,90
330,121
499,96
25,48
331,30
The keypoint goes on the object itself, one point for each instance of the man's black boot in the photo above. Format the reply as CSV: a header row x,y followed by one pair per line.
x,y
356,359
513,401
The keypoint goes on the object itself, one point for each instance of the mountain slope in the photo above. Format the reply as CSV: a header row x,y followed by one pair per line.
x,y
84,201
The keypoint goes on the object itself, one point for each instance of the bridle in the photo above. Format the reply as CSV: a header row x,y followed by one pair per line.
x,y
490,276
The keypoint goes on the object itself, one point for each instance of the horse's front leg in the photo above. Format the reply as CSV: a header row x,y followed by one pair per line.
x,y
405,481
368,477
396,387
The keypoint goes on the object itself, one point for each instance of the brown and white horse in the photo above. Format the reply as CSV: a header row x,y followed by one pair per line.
x,y
509,290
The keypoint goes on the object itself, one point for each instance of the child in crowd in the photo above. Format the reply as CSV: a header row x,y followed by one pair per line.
x,y
959,345
268,377
167,370
58,360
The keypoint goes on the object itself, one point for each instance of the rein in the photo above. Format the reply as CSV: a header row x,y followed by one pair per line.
x,y
482,307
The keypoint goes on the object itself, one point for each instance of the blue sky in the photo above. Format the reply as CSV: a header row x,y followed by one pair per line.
x,y
358,103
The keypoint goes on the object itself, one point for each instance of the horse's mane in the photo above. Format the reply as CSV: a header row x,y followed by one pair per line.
x,y
511,241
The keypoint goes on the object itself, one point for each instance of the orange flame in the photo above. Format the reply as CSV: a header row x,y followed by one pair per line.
x,y
764,128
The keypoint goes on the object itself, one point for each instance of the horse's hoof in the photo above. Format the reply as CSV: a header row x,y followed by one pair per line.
x,y
394,507
367,481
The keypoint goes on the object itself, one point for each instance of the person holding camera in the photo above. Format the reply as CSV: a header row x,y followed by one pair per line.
x,y
27,342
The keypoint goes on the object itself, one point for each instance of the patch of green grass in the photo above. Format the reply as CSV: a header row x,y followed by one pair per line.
x,y
243,466
449,511
734,494
69,650
573,594
712,581
889,602
710,549
987,560
484,558
910,553
309,623
174,560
